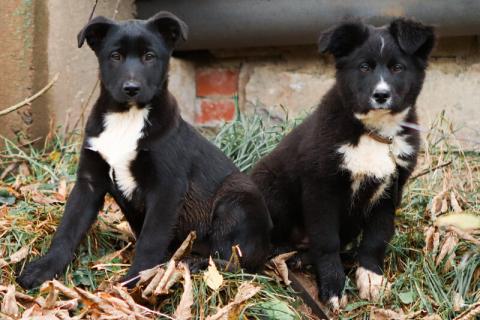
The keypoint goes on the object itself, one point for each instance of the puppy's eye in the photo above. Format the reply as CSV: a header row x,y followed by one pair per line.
x,y
365,67
115,56
396,68
149,56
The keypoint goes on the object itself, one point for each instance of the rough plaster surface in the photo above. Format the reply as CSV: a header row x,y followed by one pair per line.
x,y
452,84
17,29
181,83
68,99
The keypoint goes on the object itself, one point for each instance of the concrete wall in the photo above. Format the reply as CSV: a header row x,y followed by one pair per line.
x,y
16,53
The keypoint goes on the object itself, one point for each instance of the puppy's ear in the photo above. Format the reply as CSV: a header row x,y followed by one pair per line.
x,y
342,39
172,28
413,37
94,32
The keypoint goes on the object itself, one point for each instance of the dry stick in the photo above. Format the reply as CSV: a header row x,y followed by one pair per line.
x,y
426,171
29,99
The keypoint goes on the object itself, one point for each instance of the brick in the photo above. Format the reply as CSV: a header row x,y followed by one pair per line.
x,y
211,112
216,82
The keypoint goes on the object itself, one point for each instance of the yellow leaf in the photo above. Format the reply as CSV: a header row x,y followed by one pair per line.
x,y
463,220
213,279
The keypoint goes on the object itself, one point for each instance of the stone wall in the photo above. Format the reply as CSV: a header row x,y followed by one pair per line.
x,y
296,78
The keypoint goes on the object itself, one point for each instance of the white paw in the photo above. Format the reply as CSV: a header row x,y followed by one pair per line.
x,y
336,304
371,285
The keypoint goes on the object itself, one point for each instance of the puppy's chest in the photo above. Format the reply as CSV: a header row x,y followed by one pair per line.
x,y
118,143
374,163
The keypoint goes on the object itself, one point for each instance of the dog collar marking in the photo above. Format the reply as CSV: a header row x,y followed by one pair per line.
x,y
377,137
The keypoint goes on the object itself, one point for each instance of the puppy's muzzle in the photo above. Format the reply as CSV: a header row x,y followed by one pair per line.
x,y
131,88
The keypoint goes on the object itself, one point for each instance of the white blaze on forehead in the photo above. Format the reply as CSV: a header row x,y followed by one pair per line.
x,y
117,144
382,45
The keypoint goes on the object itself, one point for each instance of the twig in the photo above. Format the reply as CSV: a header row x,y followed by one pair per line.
x,y
29,99
426,171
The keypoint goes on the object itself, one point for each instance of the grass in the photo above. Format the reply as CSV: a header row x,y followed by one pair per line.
x,y
33,198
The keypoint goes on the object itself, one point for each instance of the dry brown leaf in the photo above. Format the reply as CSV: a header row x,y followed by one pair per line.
x,y
125,229
69,293
51,297
24,170
62,190
185,247
385,314
9,303
109,257
470,313
458,302
212,278
148,274
464,235
153,284
454,203
437,203
170,277
245,292
123,293
184,308
279,264
432,239
447,249
18,256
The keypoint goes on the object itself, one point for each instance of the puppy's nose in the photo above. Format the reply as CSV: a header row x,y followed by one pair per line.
x,y
131,88
381,96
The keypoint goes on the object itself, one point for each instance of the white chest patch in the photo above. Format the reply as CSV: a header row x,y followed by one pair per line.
x,y
117,144
371,159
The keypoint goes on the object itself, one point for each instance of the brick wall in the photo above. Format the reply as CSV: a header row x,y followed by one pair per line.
x,y
215,91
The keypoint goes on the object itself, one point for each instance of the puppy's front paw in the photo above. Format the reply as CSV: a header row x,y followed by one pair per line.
x,y
371,285
335,303
330,288
39,271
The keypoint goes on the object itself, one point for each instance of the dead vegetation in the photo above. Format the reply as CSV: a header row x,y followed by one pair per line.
x,y
433,261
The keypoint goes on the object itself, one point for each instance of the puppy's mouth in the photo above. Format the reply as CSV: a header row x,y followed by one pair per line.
x,y
375,105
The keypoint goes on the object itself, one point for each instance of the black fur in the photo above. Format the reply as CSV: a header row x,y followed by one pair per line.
x,y
308,190
184,182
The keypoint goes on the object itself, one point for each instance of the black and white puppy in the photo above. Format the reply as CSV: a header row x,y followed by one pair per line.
x,y
340,173
166,177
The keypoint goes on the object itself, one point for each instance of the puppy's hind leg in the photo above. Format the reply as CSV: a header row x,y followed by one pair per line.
x,y
240,217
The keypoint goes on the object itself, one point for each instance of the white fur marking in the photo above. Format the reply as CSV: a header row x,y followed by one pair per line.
x,y
382,85
382,45
334,303
373,159
371,285
383,121
369,157
117,144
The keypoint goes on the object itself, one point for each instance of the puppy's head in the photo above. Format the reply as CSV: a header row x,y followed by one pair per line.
x,y
134,55
379,68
